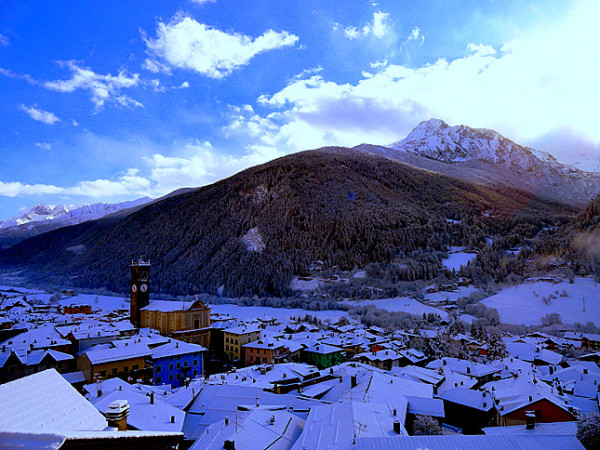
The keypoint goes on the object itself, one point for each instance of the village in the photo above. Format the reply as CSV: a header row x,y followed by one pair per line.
x,y
175,374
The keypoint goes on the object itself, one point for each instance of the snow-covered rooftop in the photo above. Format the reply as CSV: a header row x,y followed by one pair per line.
x,y
45,401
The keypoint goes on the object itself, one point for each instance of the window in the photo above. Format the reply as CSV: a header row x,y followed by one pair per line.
x,y
158,380
126,369
103,373
135,367
195,362
170,366
158,369
185,364
195,373
178,365
171,377
179,376
226,339
236,342
227,347
114,371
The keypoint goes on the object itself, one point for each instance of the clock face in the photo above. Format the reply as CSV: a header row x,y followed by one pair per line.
x,y
143,287
133,288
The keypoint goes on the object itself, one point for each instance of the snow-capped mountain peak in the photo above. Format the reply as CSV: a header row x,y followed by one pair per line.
x,y
67,214
437,140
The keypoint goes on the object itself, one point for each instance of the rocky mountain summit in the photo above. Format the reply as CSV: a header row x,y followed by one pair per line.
x,y
486,157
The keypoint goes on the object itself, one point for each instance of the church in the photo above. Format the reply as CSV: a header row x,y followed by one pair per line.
x,y
187,321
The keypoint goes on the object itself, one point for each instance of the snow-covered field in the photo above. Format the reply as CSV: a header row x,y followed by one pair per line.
x,y
258,312
407,304
524,305
457,259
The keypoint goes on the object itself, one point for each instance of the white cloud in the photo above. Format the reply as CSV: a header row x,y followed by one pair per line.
x,y
201,2
543,82
44,145
186,44
15,188
74,123
40,115
127,184
103,88
4,42
378,27
416,36
192,165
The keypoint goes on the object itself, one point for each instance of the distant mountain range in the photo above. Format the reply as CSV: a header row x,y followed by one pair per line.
x,y
485,157
42,218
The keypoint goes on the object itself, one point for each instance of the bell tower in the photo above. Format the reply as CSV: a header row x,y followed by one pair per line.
x,y
140,293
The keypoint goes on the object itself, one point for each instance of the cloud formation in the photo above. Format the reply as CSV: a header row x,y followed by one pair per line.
x,y
187,44
524,89
40,115
44,145
4,42
193,165
103,88
378,27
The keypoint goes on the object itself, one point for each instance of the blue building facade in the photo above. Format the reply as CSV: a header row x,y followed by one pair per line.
x,y
172,363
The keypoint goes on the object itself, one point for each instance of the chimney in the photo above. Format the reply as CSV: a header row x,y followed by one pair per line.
x,y
530,416
397,427
172,419
226,421
116,414
353,381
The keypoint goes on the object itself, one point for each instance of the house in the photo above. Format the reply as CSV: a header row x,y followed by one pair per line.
x,y
383,359
18,363
108,360
44,411
587,340
533,353
469,442
322,355
174,362
259,429
216,402
515,397
265,352
337,426
147,411
483,373
468,409
77,309
236,337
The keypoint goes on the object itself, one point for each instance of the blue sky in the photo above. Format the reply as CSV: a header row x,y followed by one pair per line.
x,y
111,101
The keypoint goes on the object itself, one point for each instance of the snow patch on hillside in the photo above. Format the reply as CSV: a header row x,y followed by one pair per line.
x,y
253,241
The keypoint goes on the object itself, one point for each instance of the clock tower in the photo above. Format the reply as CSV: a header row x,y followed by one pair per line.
x,y
139,291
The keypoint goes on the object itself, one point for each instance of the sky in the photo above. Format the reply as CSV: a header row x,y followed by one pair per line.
x,y
112,101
